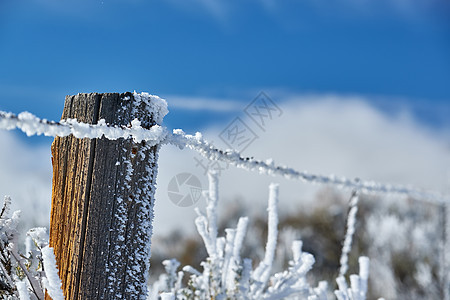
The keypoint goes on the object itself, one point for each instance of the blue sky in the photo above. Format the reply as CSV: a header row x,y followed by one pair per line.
x,y
395,53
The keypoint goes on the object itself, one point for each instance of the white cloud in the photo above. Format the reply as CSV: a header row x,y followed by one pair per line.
x,y
26,175
322,134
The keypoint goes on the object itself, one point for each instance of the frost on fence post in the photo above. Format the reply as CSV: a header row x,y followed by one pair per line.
x,y
103,197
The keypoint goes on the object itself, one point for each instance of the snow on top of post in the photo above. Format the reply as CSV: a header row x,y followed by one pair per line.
x,y
154,104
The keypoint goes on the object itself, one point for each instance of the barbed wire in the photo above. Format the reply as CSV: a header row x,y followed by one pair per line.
x,y
269,167
32,125
157,134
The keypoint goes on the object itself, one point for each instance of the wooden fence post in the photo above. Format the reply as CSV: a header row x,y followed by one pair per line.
x,y
102,201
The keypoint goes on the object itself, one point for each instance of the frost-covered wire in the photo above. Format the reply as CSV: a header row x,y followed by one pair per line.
x,y
32,125
350,230
207,150
157,134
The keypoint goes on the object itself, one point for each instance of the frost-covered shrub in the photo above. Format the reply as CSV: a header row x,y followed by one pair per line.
x,y
30,274
404,241
402,237
226,275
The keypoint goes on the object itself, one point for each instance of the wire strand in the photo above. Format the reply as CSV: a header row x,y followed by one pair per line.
x,y
33,125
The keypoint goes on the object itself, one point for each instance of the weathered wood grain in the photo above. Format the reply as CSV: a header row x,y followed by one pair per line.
x,y
102,202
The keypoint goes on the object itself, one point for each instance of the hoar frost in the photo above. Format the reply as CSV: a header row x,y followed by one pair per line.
x,y
226,275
